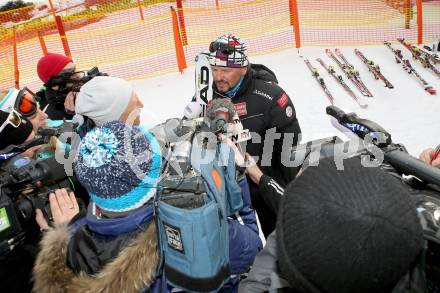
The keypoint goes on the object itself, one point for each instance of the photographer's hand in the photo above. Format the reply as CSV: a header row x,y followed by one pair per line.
x,y
63,207
430,156
252,170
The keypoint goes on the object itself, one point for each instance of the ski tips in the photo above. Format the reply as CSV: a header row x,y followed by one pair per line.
x,y
431,90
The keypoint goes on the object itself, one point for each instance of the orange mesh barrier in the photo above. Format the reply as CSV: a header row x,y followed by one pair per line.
x,y
431,21
112,35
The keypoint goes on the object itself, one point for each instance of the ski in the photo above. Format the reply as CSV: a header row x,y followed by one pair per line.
x,y
320,80
350,72
203,81
431,56
417,55
341,81
373,68
364,90
408,68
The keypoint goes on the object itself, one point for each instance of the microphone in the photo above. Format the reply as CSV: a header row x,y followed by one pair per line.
x,y
193,110
223,118
220,112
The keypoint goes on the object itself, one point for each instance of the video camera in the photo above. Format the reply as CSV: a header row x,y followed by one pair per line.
x,y
422,180
25,185
66,83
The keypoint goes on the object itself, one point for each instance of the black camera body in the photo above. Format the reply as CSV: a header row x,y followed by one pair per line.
x,y
422,180
25,185
66,84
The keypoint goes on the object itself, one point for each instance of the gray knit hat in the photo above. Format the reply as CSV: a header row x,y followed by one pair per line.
x,y
103,99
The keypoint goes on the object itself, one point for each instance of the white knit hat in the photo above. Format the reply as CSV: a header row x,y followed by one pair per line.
x,y
103,99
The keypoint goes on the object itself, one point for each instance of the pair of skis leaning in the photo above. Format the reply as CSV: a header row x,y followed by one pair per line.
x,y
349,71
332,72
408,68
373,68
422,56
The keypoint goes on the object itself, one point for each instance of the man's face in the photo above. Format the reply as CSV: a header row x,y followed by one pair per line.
x,y
133,108
226,78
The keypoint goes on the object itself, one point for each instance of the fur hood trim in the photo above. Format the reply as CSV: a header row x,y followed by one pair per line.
x,y
131,271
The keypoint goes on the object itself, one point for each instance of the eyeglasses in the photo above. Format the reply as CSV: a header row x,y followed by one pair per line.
x,y
13,119
25,103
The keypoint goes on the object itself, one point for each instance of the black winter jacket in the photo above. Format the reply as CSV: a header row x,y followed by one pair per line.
x,y
262,105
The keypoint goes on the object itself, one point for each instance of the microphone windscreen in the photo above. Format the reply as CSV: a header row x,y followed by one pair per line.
x,y
225,105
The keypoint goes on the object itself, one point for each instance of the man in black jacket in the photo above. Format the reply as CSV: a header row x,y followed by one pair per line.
x,y
263,107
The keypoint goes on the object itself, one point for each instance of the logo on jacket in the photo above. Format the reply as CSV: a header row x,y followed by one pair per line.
x,y
263,94
174,237
289,111
240,108
283,101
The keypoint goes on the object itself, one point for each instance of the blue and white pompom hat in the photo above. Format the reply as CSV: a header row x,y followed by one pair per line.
x,y
119,165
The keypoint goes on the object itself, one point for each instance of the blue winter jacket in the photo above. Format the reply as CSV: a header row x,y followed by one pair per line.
x,y
84,253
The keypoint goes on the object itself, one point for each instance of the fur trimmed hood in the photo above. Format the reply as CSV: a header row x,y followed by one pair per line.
x,y
131,271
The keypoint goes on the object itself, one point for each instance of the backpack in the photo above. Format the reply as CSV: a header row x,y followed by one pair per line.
x,y
191,216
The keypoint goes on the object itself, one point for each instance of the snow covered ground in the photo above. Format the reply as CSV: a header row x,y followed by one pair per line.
x,y
410,114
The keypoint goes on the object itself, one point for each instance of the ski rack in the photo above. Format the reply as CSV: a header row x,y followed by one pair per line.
x,y
330,69
373,68
419,56
320,80
349,71
408,68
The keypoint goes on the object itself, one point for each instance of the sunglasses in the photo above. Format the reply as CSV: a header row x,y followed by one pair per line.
x,y
25,103
225,48
13,119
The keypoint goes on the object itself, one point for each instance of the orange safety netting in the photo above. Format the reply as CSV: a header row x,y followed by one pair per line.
x,y
134,42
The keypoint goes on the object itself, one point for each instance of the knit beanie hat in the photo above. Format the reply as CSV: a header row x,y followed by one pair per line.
x,y
119,165
354,230
11,135
103,99
228,51
51,65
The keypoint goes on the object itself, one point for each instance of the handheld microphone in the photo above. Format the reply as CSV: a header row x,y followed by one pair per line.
x,y
193,110
220,112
